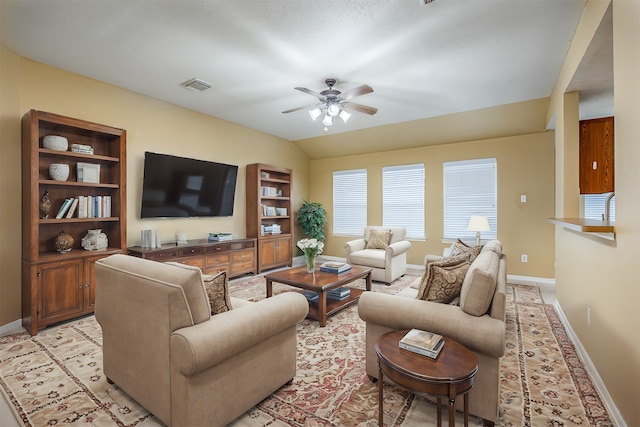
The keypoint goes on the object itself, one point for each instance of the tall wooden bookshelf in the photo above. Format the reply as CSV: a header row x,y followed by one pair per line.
x,y
60,286
268,193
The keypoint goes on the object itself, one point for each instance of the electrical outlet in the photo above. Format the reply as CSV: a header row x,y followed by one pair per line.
x,y
588,316
523,198
524,258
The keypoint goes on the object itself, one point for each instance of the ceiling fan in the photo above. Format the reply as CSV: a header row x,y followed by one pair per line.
x,y
333,102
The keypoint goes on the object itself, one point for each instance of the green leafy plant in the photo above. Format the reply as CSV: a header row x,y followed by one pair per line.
x,y
312,217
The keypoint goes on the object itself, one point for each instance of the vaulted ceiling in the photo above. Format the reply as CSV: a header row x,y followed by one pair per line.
x,y
422,60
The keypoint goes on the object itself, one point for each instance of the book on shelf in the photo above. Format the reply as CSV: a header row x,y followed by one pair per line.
x,y
335,267
64,208
339,293
72,208
422,342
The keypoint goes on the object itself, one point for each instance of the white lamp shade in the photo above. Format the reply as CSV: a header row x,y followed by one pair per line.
x,y
344,116
327,121
315,113
478,223
333,110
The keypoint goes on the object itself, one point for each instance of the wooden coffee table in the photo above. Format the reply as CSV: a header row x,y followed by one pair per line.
x,y
451,374
321,282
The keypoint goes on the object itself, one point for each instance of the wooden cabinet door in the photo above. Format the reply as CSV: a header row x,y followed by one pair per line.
x,y
284,250
597,156
268,254
61,290
90,282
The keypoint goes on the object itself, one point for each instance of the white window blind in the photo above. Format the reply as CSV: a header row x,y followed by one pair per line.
x,y
593,206
403,198
349,202
470,188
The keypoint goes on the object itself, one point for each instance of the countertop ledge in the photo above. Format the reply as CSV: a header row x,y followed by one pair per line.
x,y
584,225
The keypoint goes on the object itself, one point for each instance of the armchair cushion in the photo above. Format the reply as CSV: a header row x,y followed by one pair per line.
x,y
480,284
218,292
215,286
378,239
443,279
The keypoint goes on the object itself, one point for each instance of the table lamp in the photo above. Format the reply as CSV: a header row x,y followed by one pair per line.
x,y
478,223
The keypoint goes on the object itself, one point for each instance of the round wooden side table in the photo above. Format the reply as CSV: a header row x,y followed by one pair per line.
x,y
450,375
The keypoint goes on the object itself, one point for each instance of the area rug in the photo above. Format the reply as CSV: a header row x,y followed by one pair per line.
x,y
56,377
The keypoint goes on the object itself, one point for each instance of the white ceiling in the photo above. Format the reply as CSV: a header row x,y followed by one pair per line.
x,y
422,61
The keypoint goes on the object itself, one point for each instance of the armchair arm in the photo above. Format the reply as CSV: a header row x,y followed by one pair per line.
x,y
355,245
482,334
197,348
398,248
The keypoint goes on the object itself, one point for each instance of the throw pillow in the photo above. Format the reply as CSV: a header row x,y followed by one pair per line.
x,y
217,291
461,247
378,239
443,280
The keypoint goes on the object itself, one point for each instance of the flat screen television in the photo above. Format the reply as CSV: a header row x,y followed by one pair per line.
x,y
179,187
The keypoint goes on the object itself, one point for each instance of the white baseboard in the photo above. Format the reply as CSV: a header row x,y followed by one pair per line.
x,y
591,369
15,326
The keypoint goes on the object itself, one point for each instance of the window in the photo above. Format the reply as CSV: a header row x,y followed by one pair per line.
x,y
403,198
470,188
594,204
349,202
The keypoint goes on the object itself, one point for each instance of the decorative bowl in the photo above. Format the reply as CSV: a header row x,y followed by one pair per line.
x,y
59,171
55,142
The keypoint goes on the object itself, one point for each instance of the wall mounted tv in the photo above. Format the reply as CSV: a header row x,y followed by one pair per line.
x,y
179,187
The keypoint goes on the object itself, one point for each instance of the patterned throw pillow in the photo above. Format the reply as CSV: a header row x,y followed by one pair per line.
x,y
442,280
217,291
461,247
378,239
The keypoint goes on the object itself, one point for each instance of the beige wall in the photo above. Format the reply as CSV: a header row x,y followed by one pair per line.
x,y
525,166
151,125
10,185
592,272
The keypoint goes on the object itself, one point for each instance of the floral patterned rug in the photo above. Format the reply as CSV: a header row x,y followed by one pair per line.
x,y
56,377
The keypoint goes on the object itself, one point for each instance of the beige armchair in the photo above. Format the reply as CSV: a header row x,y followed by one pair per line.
x,y
382,248
162,346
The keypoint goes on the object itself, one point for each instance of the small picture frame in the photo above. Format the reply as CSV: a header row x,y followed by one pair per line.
x,y
270,211
281,211
264,175
88,172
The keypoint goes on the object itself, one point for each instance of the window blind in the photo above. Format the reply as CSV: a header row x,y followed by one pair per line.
x,y
403,198
470,188
594,204
349,202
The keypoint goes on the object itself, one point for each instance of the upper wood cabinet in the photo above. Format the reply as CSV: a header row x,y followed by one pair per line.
x,y
597,156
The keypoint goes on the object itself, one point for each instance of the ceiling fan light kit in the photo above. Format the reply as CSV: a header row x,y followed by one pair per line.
x,y
333,103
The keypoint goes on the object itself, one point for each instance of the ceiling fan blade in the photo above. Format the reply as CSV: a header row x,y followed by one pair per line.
x,y
304,107
361,108
312,93
356,91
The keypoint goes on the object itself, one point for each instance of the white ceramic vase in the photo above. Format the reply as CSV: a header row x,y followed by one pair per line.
x,y
59,171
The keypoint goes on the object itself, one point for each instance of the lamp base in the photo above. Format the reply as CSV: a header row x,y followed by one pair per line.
x,y
477,238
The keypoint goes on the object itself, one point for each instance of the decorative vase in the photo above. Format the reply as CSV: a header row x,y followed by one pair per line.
x,y
63,242
59,171
310,259
55,142
95,240
45,206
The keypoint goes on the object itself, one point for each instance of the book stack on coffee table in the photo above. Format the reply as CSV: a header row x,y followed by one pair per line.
x,y
335,267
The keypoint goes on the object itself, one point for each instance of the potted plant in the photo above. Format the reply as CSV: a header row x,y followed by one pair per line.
x,y
312,217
